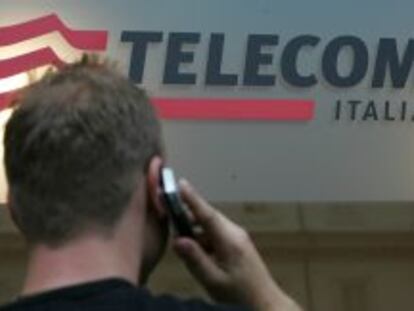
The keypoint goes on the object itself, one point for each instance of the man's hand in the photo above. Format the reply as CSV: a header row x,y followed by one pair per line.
x,y
225,260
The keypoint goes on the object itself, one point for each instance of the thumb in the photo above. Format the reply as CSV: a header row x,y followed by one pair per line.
x,y
198,262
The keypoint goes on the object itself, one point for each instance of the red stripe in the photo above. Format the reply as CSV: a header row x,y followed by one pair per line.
x,y
29,61
84,40
6,98
235,109
225,109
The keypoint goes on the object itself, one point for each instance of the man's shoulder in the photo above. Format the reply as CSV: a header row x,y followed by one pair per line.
x,y
168,302
111,295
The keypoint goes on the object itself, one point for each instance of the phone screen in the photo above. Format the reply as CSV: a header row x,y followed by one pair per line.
x,y
174,204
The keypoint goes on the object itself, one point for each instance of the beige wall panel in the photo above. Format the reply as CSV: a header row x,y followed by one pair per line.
x,y
371,285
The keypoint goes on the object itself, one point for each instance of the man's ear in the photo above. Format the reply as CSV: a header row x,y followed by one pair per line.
x,y
154,185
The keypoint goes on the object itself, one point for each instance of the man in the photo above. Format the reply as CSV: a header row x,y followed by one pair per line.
x,y
83,153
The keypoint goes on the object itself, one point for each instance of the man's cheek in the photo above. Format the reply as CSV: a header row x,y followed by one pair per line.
x,y
155,244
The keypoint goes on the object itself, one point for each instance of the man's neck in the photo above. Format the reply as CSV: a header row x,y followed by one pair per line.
x,y
85,260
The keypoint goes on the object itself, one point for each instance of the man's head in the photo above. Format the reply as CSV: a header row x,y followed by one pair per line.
x,y
76,147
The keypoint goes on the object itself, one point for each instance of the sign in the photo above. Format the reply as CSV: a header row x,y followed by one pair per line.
x,y
261,101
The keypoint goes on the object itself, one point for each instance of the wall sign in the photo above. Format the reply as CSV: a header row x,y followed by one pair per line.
x,y
261,101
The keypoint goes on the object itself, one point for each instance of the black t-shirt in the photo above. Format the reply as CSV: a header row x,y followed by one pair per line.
x,y
109,295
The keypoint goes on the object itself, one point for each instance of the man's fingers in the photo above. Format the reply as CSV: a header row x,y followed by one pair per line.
x,y
204,214
198,261
218,230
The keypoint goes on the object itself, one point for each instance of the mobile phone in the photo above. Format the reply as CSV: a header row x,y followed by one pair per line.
x,y
174,205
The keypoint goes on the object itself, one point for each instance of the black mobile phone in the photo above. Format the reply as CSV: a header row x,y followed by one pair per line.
x,y
174,205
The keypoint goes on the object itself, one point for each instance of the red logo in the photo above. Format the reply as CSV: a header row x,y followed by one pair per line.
x,y
80,39
168,108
